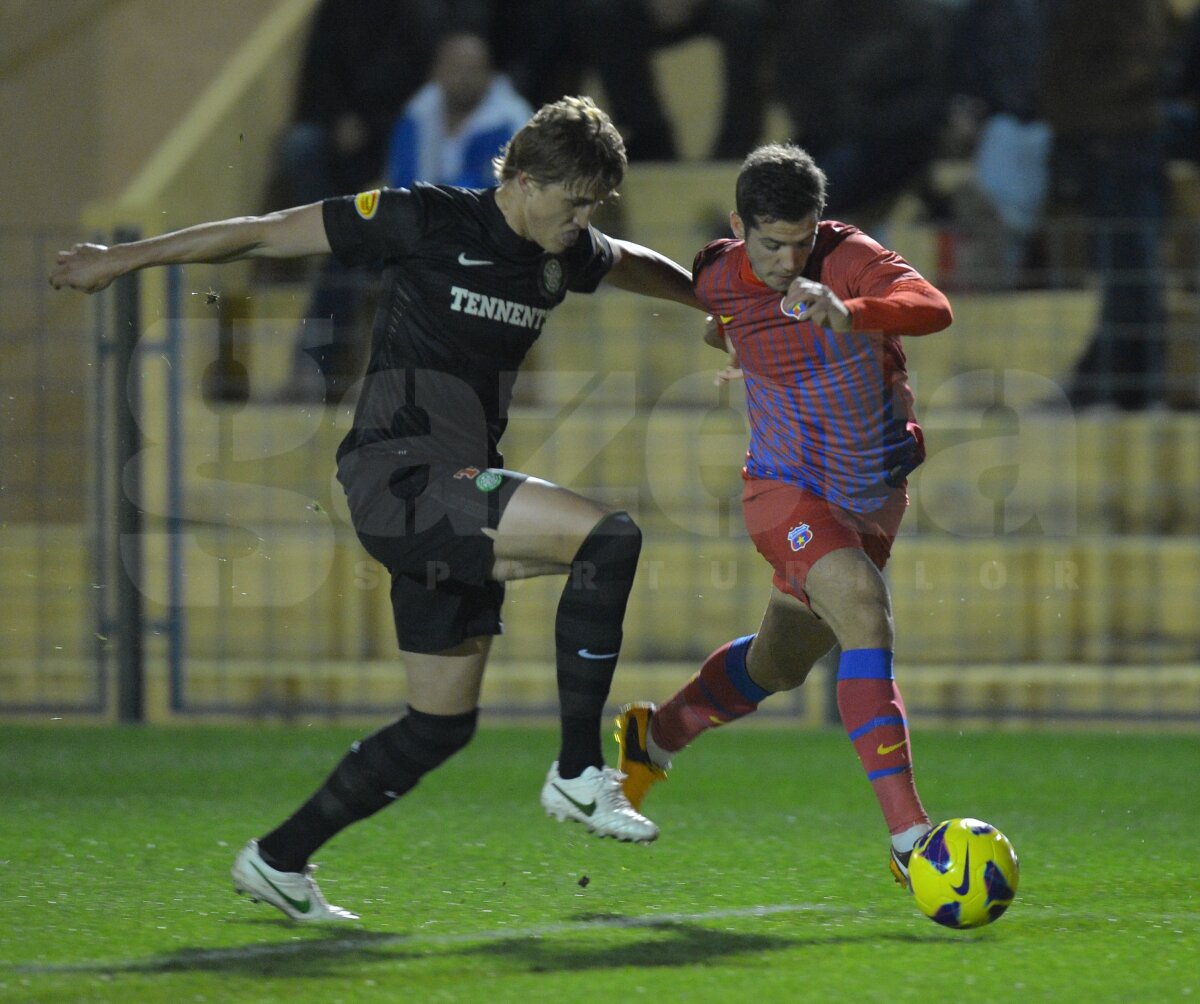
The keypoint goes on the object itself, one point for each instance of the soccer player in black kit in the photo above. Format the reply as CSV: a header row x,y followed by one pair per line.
x,y
470,275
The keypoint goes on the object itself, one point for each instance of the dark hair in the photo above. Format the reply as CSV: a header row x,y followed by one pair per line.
x,y
779,181
571,141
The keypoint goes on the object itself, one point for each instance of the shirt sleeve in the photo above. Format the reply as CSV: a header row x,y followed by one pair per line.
x,y
883,292
706,257
375,227
914,307
588,261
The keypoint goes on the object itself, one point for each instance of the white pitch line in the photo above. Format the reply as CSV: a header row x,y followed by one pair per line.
x,y
186,960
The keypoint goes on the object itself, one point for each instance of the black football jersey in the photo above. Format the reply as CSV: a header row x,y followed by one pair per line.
x,y
464,298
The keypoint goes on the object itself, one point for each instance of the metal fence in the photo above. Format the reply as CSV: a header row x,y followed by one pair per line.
x,y
50,640
175,543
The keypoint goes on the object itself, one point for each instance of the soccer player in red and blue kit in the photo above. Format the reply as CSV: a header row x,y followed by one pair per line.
x,y
813,312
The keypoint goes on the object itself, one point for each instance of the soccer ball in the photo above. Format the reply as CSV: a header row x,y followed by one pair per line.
x,y
964,873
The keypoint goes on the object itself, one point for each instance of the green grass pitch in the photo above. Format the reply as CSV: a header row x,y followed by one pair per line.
x,y
769,882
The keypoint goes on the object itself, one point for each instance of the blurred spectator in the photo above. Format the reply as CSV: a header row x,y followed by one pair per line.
x,y
448,134
994,122
998,47
541,45
454,125
363,60
624,36
1103,93
1183,137
865,85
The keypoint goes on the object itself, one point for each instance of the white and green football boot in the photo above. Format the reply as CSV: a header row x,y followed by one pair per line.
x,y
596,800
294,893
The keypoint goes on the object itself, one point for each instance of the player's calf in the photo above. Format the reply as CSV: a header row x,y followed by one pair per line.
x,y
720,693
378,770
588,635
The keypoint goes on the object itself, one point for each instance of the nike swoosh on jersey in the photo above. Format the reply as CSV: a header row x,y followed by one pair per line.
x,y
464,260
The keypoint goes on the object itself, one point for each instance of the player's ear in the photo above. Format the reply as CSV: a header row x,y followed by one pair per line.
x,y
737,226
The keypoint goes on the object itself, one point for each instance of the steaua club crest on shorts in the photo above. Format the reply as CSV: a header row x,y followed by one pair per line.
x,y
367,203
552,277
799,536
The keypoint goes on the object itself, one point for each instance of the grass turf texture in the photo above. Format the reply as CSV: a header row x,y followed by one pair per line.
x,y
769,880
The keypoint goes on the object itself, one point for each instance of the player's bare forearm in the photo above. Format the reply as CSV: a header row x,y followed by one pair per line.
x,y
291,233
643,270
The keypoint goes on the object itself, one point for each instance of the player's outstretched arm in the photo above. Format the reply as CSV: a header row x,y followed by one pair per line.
x,y
643,270
289,233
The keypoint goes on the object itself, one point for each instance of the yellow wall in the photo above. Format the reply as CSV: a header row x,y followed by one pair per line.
x,y
90,88
97,101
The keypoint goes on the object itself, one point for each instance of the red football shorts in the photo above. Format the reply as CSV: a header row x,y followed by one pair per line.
x,y
793,529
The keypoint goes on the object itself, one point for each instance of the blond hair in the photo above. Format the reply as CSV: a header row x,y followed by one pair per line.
x,y
570,141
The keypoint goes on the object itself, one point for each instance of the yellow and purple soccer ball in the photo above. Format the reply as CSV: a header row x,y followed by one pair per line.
x,y
964,873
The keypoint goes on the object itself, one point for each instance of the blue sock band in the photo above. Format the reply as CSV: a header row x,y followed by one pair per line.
x,y
735,668
865,664
875,723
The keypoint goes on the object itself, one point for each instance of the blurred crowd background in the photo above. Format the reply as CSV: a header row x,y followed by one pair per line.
x,y
1037,159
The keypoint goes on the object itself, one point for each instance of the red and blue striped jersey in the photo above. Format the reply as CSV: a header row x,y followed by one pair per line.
x,y
829,411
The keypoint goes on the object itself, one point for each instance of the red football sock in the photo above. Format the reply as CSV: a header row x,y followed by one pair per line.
x,y
720,693
873,713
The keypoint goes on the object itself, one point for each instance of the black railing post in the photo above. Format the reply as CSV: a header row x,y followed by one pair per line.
x,y
128,483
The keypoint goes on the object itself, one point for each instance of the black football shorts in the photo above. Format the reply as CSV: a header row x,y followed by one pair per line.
x,y
424,525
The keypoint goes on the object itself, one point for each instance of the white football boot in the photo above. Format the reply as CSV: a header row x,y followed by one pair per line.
x,y
596,799
294,893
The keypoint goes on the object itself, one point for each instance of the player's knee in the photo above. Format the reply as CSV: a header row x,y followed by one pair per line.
x,y
615,543
872,606
433,739
780,668
780,677
867,623
851,597
867,597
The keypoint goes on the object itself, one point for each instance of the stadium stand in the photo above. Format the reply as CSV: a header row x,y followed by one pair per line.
x,y
1047,570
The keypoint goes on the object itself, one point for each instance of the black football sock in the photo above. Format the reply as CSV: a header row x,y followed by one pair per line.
x,y
376,772
587,636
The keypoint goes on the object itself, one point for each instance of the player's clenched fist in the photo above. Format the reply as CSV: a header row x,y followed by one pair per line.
x,y
811,301
86,267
